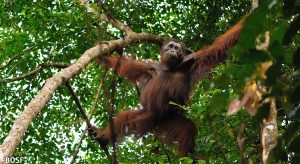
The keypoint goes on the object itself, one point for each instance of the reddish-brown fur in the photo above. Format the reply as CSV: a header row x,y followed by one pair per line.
x,y
163,82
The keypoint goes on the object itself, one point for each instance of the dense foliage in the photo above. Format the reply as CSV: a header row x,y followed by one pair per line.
x,y
36,33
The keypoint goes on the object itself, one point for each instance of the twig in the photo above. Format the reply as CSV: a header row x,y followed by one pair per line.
x,y
83,114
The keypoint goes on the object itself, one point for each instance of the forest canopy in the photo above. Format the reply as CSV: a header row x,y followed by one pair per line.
x,y
246,110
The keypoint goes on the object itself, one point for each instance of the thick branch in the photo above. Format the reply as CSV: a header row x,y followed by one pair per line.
x,y
33,109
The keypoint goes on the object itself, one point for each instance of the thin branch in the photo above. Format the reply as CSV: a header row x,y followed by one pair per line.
x,y
100,88
82,137
111,115
35,71
111,110
9,61
15,56
81,110
109,97
83,114
19,54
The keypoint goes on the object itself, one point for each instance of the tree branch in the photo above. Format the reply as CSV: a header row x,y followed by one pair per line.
x,y
83,114
106,17
87,6
15,56
33,109
35,71
82,137
100,88
77,101
111,115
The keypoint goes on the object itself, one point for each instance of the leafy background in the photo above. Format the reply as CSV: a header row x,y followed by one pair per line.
x,y
39,32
